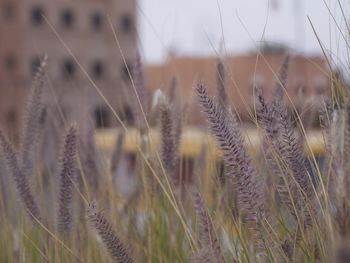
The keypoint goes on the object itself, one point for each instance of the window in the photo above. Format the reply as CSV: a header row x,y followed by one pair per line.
x,y
37,15
126,24
126,69
67,18
128,116
96,21
101,116
98,70
8,10
10,62
68,68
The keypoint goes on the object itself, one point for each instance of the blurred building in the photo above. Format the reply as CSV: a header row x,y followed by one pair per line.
x,y
85,27
308,79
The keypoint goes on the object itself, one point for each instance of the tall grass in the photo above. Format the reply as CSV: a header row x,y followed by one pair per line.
x,y
293,210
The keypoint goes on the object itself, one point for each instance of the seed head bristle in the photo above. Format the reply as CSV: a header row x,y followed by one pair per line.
x,y
115,247
250,193
66,179
169,148
206,232
32,122
21,181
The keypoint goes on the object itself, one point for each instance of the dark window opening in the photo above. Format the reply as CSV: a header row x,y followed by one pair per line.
x,y
34,65
101,116
69,68
96,21
8,11
10,63
37,16
98,70
128,116
126,24
127,71
67,18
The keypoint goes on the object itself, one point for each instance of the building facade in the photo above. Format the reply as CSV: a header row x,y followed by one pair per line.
x,y
31,29
308,79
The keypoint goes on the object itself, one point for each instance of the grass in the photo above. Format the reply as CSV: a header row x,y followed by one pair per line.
x,y
278,205
274,214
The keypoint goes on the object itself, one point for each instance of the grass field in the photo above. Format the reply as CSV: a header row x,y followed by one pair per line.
x,y
155,205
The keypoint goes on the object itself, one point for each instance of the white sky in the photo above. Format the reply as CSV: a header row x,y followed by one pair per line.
x,y
193,27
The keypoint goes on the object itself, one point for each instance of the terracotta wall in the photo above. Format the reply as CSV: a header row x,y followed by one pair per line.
x,y
308,79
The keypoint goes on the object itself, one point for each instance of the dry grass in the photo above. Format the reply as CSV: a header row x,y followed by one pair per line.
x,y
277,206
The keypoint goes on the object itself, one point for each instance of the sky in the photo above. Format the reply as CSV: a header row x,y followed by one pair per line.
x,y
209,27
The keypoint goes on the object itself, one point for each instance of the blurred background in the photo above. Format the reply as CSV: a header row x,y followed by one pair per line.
x,y
219,26
121,74
91,46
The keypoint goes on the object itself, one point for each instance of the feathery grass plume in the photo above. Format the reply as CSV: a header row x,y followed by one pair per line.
x,y
221,83
117,152
296,187
326,116
90,158
169,147
340,158
280,133
269,149
268,117
263,112
279,93
283,72
21,181
335,122
142,92
346,149
247,182
115,247
177,123
326,121
206,232
342,213
32,118
268,114
293,154
66,178
177,112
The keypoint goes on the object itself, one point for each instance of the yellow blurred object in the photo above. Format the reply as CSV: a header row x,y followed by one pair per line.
x,y
193,139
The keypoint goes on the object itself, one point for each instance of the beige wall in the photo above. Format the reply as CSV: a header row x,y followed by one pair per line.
x,y
88,46
11,81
